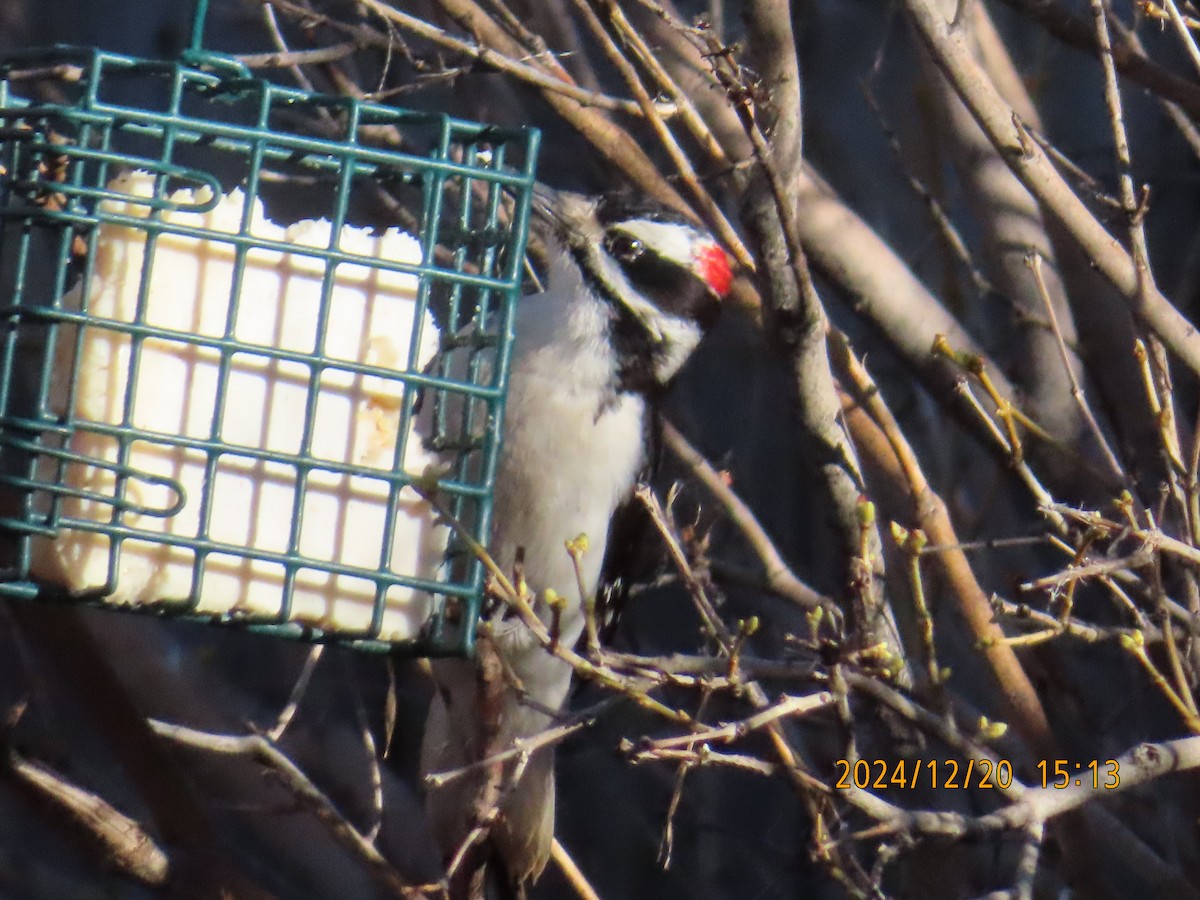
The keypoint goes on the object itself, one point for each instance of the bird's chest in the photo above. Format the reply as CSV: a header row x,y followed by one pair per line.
x,y
570,457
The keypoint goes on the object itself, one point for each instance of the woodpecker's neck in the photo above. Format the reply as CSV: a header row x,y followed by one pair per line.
x,y
567,334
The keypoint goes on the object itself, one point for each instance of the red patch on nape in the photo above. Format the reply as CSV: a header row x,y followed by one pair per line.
x,y
713,266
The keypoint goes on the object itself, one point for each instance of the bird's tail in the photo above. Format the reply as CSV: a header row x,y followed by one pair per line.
x,y
471,719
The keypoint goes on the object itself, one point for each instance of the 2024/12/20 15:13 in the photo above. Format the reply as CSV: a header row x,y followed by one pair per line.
x,y
1059,773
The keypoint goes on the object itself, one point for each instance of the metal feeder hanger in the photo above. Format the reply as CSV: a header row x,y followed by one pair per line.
x,y
73,122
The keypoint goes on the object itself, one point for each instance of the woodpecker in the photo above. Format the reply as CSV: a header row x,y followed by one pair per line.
x,y
632,289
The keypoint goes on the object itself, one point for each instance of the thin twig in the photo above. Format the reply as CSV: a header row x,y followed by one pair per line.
x,y
787,707
286,59
780,577
1183,32
701,757
1034,261
299,689
522,71
571,872
1142,557
518,747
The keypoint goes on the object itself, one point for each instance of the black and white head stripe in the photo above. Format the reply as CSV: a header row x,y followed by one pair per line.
x,y
649,268
633,223
651,261
661,277
659,262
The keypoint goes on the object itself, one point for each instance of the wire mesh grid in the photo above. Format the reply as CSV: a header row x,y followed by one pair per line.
x,y
250,458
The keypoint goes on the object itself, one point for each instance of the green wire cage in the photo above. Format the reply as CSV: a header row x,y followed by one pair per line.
x,y
246,334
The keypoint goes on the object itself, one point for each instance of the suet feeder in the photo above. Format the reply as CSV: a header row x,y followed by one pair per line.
x,y
247,333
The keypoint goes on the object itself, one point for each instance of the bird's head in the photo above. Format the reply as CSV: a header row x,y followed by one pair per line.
x,y
661,277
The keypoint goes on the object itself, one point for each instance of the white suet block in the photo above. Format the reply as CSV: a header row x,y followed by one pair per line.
x,y
253,503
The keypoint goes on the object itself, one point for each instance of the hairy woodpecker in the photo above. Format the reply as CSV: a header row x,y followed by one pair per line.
x,y
632,288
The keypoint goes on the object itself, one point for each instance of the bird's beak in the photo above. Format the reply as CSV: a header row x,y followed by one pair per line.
x,y
545,202
571,215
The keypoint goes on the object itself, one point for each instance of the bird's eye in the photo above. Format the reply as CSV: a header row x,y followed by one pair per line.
x,y
623,247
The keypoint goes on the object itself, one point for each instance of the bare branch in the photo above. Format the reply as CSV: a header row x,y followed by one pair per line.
x,y
125,843
261,748
1038,174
